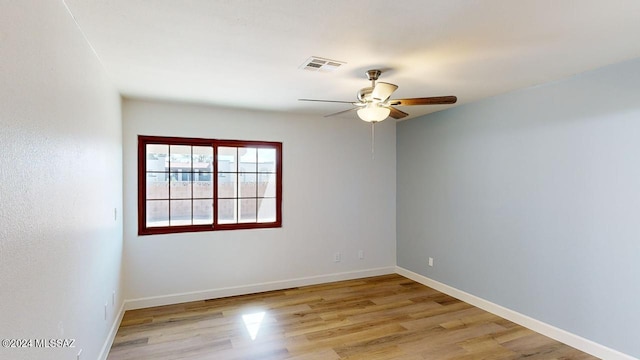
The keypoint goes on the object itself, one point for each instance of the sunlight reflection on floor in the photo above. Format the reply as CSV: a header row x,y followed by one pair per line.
x,y
252,322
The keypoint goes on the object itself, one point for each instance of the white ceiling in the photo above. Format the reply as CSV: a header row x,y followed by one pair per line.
x,y
247,53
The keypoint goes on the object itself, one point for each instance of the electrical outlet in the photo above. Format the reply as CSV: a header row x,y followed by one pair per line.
x,y
113,298
431,261
337,257
360,254
115,214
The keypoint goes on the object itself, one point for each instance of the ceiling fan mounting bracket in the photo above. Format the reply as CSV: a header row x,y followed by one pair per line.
x,y
373,75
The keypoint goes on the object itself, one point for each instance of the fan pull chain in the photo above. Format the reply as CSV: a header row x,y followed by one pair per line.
x,y
373,140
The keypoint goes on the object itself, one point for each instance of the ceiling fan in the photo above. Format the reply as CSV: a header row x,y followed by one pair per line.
x,y
374,103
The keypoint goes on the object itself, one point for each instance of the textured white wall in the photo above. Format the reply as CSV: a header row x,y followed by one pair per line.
x,y
336,198
60,179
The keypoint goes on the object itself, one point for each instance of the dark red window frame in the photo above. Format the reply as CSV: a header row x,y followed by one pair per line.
x,y
144,140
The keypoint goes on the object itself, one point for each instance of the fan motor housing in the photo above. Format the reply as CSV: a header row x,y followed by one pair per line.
x,y
364,94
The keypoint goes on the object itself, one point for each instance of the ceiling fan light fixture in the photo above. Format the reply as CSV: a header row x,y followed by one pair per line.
x,y
375,104
373,113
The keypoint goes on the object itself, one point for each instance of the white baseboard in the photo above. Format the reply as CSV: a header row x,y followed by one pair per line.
x,y
112,334
252,288
551,331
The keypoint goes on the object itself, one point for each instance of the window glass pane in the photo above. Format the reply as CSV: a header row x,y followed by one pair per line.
x,y
180,185
203,189
248,159
267,185
157,186
180,212
266,210
227,159
203,212
157,156
180,158
203,158
227,185
202,176
247,185
177,189
227,211
248,210
157,213
267,160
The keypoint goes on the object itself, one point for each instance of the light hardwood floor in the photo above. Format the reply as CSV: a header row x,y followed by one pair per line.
x,y
383,317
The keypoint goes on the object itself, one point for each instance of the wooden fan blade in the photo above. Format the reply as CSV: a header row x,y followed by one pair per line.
x,y
342,112
329,101
397,114
436,100
382,91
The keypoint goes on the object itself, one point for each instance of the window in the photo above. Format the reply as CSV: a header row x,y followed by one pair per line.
x,y
187,184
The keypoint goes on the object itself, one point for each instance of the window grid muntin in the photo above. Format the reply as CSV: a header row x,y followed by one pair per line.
x,y
275,219
241,171
173,220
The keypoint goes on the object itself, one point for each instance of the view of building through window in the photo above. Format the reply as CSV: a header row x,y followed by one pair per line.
x,y
184,186
246,185
179,185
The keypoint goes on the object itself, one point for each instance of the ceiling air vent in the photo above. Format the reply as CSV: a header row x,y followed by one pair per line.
x,y
319,64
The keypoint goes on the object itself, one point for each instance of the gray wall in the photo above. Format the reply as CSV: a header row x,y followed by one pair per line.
x,y
531,200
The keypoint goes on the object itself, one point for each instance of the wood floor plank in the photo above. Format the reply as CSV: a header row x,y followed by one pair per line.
x,y
379,318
